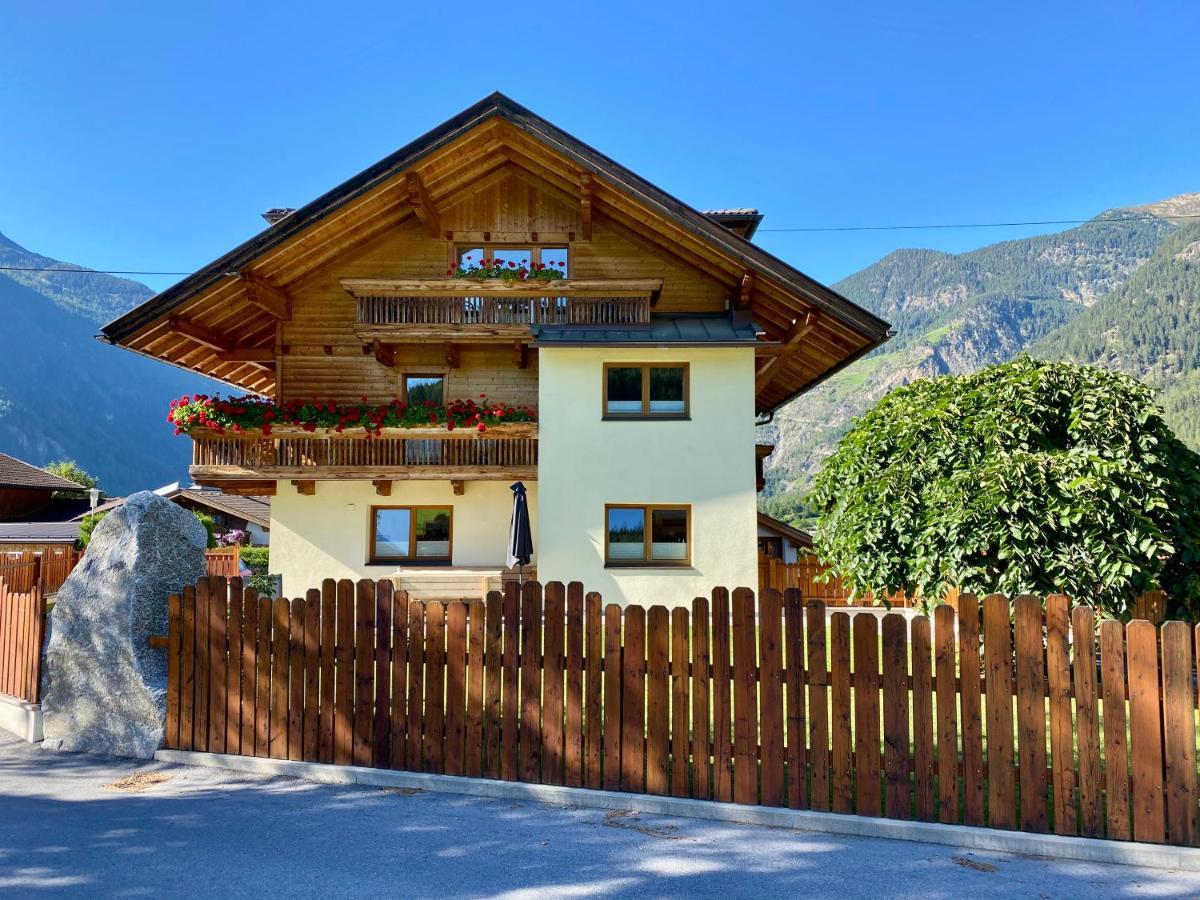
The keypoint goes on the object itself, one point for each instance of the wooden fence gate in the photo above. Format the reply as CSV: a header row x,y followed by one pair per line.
x,y
1002,713
22,630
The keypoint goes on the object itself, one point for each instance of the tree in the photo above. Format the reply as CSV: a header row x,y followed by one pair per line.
x,y
1025,477
71,470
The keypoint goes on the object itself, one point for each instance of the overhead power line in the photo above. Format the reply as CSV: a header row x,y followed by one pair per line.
x,y
808,229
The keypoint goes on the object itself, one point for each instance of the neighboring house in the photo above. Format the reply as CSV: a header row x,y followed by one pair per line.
x,y
229,511
778,540
646,366
31,517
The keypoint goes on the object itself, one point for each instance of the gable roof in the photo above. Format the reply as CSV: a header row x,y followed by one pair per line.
x,y
788,295
795,535
15,473
256,510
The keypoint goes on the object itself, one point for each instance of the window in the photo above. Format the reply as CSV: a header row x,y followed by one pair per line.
x,y
770,547
527,257
647,535
646,391
420,389
415,534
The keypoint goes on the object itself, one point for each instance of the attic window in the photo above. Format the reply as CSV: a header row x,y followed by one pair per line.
x,y
551,257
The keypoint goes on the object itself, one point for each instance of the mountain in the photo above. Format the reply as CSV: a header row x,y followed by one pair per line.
x,y
64,394
955,313
1149,327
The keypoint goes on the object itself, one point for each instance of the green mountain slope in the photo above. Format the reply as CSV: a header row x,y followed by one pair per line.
x,y
64,394
1149,327
954,313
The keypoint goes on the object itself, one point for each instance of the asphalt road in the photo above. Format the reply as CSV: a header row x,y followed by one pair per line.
x,y
83,826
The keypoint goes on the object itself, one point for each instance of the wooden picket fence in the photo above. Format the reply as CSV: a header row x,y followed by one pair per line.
x,y
47,568
775,702
22,630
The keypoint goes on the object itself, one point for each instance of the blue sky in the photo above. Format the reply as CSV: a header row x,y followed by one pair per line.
x,y
150,136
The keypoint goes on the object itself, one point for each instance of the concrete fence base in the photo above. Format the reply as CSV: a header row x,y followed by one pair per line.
x,y
21,718
1049,845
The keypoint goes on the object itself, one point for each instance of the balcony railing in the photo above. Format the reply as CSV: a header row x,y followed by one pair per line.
x,y
384,304
503,451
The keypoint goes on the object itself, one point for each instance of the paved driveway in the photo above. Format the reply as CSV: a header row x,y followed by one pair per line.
x,y
82,826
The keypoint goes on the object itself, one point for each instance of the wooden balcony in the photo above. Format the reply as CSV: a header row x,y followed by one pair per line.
x,y
504,310
501,452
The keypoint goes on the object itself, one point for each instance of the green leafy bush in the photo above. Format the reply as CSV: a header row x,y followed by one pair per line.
x,y
1026,477
258,561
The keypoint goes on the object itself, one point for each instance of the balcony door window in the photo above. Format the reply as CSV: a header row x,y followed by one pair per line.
x,y
420,390
646,391
520,257
658,535
411,534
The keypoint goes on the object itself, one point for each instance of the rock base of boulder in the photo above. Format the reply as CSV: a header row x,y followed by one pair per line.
x,y
104,686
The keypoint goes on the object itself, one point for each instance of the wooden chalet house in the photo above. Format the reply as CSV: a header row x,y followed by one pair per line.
x,y
643,367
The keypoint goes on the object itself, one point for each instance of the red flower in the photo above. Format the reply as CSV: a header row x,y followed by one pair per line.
x,y
481,427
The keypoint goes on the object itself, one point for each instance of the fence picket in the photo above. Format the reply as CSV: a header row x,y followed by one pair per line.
x,y
1031,711
818,706
866,715
841,737
328,652
509,769
997,652
218,650
433,738
249,711
416,686
295,708
174,640
573,734
398,741
971,709
701,710
233,670
1116,747
658,721
613,695
476,628
745,699
722,698
187,669
680,746
594,689
1179,732
280,633
895,716
944,620
1145,732
553,621
363,739
922,720
1058,681
456,687
1090,783
797,757
343,715
382,726
770,699
531,694
493,679
633,721
262,700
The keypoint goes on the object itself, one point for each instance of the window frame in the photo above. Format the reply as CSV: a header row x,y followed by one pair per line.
x,y
647,561
404,377
646,415
488,249
412,559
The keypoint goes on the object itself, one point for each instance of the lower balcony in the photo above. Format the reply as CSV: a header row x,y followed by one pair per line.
x,y
251,462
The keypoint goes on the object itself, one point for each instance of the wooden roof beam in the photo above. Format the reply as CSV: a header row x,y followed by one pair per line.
x,y
200,334
422,204
266,296
745,291
791,344
247,354
585,207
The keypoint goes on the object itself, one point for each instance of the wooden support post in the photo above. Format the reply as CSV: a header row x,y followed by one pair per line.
x,y
585,207
422,204
383,487
458,486
307,488
266,296
521,355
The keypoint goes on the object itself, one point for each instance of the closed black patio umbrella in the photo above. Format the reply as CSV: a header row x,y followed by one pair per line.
x,y
520,537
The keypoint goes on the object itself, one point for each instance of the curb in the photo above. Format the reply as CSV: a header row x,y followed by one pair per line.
x,y
1055,846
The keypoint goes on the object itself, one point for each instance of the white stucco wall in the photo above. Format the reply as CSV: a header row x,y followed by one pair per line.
x,y
707,461
328,535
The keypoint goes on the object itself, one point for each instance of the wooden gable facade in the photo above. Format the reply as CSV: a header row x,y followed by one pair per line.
x,y
282,315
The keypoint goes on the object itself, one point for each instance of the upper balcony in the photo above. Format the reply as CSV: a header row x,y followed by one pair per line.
x,y
473,309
